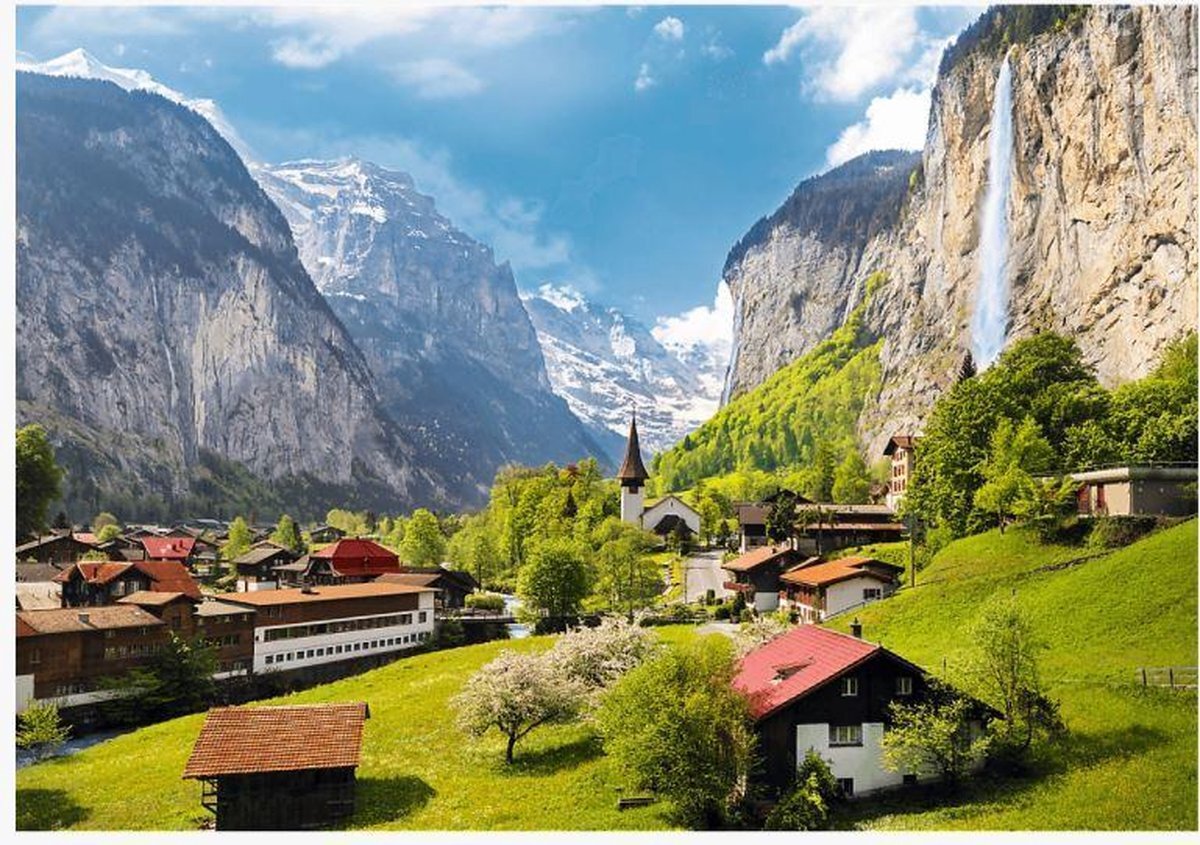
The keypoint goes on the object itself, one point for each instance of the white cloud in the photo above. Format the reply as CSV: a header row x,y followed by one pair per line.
x,y
669,29
644,79
852,49
715,50
898,121
119,49
700,327
436,79
563,297
308,53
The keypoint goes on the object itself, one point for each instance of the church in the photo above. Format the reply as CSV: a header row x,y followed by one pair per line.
x,y
665,515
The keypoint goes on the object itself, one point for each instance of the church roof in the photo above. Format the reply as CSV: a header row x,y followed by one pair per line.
x,y
632,468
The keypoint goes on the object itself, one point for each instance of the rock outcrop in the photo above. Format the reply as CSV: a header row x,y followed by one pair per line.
x,y
1102,219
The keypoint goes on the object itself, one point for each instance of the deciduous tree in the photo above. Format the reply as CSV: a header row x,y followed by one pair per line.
x,y
39,479
424,544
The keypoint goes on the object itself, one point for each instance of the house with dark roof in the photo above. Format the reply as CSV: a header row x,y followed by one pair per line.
x,y
91,583
756,574
279,768
58,547
255,568
452,585
902,449
325,534
350,561
818,590
813,688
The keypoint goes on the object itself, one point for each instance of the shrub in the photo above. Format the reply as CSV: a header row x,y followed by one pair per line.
x,y
40,729
1110,532
806,807
491,602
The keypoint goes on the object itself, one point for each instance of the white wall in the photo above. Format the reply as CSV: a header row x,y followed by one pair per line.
x,y
863,763
249,585
848,593
671,505
24,692
631,504
416,633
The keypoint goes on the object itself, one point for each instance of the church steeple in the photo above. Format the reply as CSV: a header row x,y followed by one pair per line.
x,y
633,471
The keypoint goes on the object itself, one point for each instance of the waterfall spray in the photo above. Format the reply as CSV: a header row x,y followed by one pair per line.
x,y
989,323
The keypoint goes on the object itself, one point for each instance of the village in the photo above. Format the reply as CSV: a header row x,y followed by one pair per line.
x,y
92,610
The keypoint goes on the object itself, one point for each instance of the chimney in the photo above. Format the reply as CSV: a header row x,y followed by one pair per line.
x,y
856,628
84,618
308,590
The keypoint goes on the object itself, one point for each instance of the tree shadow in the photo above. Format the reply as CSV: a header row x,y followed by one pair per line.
x,y
48,809
548,761
381,800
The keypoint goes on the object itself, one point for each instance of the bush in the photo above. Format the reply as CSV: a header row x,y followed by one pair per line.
x,y
722,611
1110,532
806,807
491,602
449,634
40,729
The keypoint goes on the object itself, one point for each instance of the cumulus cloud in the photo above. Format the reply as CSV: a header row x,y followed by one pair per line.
x,y
436,79
669,29
897,121
644,79
702,327
305,53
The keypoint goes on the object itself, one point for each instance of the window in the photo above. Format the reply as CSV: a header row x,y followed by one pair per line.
x,y
904,685
871,593
845,734
320,652
339,649
35,656
846,786
109,634
270,659
421,616
849,686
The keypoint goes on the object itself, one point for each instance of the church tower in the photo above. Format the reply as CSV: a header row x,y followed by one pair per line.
x,y
632,476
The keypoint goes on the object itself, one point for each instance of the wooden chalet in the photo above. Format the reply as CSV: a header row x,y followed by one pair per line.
x,y
452,585
756,574
178,549
255,568
818,590
823,528
326,534
91,583
59,547
279,768
350,561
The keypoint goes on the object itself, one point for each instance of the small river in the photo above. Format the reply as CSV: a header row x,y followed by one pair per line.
x,y
516,630
72,746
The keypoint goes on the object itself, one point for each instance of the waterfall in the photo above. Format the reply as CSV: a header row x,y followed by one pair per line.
x,y
989,323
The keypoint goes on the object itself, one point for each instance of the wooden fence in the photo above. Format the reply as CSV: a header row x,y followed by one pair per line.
x,y
1175,677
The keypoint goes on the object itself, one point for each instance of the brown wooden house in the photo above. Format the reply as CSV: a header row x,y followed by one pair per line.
x,y
91,583
59,547
452,585
279,768
756,574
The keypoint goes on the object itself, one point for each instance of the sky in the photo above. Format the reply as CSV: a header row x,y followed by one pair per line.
x,y
617,150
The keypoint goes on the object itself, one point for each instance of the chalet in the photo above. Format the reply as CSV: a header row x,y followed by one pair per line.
x,y
298,628
901,448
37,572
104,582
1137,491
452,585
229,627
255,567
291,574
169,548
62,654
59,547
278,768
820,590
752,519
756,574
822,528
813,688
350,561
326,534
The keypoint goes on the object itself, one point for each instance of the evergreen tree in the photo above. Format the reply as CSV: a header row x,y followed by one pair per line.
x,y
967,370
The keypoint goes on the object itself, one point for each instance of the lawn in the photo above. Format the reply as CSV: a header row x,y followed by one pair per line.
x,y
1130,759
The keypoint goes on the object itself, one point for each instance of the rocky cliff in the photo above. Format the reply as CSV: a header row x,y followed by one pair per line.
x,y
1101,220
452,349
167,332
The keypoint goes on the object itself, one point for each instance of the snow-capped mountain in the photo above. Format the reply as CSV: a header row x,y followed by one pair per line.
x,y
605,363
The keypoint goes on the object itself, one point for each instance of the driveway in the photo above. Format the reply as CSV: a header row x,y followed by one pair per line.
x,y
703,572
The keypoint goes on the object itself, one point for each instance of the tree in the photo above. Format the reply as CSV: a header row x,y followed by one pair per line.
x,y
514,694
806,806
177,680
967,369
934,734
40,729
676,725
287,535
424,544
781,517
39,479
239,540
851,481
627,578
760,632
1045,503
107,533
555,580
1016,453
1005,670
598,657
711,518
103,520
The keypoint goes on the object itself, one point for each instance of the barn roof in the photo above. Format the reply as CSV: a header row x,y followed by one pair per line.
x,y
796,663
69,619
368,589
261,553
821,574
758,557
242,740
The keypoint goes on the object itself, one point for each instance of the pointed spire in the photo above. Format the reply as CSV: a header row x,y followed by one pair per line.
x,y
632,469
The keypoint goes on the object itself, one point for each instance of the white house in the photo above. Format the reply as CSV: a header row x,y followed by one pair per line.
x,y
820,590
665,515
668,512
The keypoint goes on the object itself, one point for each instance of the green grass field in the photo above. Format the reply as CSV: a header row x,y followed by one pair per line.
x,y
1130,760
1129,763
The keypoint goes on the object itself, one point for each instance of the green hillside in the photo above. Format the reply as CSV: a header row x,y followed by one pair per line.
x,y
1130,760
811,405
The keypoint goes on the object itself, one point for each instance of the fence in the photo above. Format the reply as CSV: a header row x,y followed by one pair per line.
x,y
1175,677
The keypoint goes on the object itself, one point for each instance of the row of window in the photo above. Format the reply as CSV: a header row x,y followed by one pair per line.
x,y
320,629
228,639
120,652
904,685
348,648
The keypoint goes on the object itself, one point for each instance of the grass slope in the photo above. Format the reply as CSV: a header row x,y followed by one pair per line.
x,y
1130,760
418,770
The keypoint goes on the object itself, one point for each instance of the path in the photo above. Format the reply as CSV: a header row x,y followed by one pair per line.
x,y
703,573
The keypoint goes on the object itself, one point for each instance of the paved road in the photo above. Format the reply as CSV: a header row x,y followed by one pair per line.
x,y
703,573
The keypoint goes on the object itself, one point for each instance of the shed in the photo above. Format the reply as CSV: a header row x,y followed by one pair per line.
x,y
279,768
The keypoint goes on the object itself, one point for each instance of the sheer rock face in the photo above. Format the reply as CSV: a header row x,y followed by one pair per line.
x,y
440,323
163,313
1102,220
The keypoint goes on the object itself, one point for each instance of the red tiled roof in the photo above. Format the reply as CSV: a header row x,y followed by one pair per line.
x,y
85,537
837,570
795,664
757,558
166,576
240,740
354,556
168,548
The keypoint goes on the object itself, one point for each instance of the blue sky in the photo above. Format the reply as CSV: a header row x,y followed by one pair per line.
x,y
618,150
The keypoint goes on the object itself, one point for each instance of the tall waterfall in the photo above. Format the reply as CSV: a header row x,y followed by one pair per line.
x,y
989,323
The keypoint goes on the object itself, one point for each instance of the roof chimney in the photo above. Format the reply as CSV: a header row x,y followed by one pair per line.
x,y
84,618
307,589
856,628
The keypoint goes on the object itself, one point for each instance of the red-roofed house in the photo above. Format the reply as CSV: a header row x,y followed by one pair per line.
x,y
105,582
819,689
169,548
350,561
821,590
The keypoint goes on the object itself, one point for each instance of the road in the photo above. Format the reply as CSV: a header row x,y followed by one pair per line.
x,y
703,573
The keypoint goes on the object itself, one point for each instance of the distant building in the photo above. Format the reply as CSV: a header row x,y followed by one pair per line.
x,y
350,561
452,585
813,688
105,582
1137,491
279,768
326,534
901,448
756,574
823,589
752,519
255,568
298,628
669,515
228,628
59,547
177,548
823,528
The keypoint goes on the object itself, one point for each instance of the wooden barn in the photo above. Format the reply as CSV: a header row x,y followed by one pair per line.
x,y
279,768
